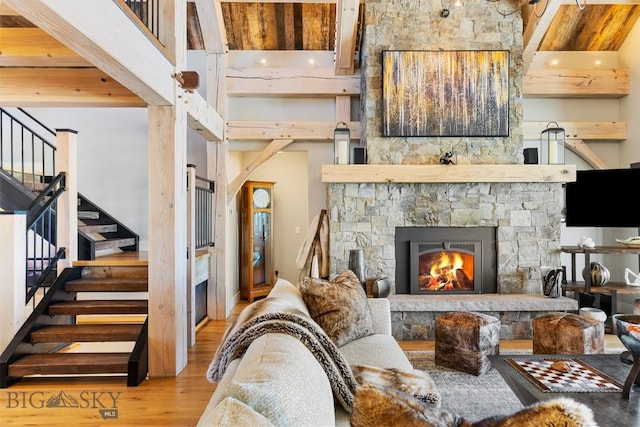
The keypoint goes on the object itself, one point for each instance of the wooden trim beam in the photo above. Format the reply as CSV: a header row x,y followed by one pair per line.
x,y
448,173
267,130
577,83
32,47
63,87
598,131
347,12
212,26
323,131
97,30
265,155
582,150
290,82
202,118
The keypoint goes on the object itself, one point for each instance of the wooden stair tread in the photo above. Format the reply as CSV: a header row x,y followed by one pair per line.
x,y
102,228
87,333
88,215
99,307
70,363
114,243
106,284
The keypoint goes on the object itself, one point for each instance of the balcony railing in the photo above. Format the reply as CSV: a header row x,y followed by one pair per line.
x,y
204,190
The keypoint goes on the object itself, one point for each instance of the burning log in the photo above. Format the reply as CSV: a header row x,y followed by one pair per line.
x,y
463,282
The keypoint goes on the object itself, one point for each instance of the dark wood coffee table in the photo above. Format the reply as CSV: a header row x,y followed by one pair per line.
x,y
609,409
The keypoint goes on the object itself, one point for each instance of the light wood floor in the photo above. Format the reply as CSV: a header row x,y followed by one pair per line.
x,y
156,402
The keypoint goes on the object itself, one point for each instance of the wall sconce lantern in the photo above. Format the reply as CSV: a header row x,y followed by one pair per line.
x,y
341,144
552,145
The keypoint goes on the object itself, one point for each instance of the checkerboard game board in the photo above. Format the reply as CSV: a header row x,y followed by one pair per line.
x,y
582,378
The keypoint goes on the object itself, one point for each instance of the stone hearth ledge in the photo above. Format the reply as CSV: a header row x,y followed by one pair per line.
x,y
480,302
413,316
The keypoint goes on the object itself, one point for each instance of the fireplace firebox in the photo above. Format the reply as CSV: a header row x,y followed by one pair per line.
x,y
445,260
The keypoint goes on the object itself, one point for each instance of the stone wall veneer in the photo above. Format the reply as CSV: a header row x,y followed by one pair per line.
x,y
527,215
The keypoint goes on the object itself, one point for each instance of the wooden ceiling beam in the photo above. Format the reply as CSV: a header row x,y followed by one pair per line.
x,y
212,26
586,131
202,118
97,31
577,83
32,47
290,82
246,130
347,12
63,87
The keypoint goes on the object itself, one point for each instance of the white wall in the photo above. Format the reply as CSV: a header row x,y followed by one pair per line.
x,y
112,159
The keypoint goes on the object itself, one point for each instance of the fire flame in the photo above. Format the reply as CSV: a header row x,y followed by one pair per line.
x,y
445,273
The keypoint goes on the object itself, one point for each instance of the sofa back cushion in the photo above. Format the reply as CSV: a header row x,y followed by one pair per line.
x,y
279,378
287,291
339,306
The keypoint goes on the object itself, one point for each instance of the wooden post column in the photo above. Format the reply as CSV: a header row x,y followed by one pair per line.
x,y
67,218
167,241
13,228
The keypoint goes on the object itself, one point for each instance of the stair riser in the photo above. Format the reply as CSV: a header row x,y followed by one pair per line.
x,y
106,287
86,333
96,311
68,370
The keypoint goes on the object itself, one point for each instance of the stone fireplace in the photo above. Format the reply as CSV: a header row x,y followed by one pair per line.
x,y
445,260
525,218
524,215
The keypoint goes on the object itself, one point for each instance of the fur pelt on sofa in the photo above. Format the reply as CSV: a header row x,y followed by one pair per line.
x,y
376,405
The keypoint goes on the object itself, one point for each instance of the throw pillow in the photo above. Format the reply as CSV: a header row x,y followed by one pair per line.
x,y
339,306
416,383
377,406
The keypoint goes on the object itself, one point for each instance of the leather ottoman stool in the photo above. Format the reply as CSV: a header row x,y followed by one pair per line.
x,y
567,333
464,339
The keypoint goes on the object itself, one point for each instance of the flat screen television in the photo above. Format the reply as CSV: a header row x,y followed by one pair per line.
x,y
603,198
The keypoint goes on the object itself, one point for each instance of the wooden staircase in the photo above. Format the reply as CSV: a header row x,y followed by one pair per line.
x,y
99,232
101,301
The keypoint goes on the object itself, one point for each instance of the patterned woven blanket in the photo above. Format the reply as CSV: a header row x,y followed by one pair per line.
x,y
273,315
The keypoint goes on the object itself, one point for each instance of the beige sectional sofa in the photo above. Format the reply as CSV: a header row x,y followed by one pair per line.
x,y
279,381
288,377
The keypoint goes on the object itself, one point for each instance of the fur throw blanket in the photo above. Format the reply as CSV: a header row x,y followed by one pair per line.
x,y
274,315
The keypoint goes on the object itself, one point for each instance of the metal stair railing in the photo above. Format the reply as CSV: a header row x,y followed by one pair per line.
x,y
24,152
42,254
204,212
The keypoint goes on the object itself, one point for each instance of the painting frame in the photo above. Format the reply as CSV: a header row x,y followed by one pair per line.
x,y
457,93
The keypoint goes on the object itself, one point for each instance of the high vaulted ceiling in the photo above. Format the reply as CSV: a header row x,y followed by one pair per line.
x,y
311,25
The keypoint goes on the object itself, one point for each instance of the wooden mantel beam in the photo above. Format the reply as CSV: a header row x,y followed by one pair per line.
x,y
448,173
